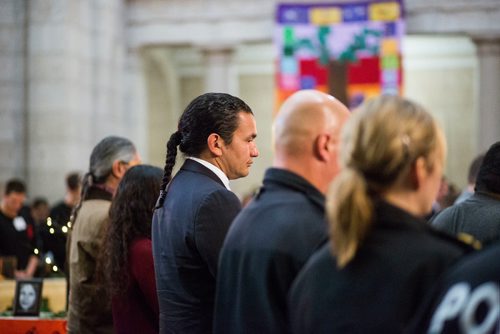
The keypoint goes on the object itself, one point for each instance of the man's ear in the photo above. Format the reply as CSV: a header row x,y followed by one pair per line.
x,y
322,147
118,169
215,143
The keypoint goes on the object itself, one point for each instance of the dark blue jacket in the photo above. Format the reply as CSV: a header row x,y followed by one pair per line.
x,y
267,245
187,233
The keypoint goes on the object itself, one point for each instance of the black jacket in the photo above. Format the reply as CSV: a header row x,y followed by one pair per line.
x,y
467,300
187,234
382,287
267,245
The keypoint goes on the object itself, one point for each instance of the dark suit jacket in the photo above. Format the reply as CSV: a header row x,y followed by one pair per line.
x,y
187,233
267,245
380,290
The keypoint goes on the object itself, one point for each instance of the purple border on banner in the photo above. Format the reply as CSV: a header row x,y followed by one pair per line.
x,y
355,12
291,14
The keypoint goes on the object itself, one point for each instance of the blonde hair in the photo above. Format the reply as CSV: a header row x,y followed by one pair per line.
x,y
379,144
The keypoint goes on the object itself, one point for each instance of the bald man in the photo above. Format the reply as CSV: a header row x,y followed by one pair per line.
x,y
271,239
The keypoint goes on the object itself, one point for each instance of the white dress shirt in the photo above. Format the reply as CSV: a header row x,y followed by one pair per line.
x,y
214,169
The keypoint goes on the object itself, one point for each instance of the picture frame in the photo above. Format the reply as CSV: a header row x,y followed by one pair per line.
x,y
28,297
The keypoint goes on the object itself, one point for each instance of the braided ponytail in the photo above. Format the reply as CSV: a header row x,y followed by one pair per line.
x,y
173,142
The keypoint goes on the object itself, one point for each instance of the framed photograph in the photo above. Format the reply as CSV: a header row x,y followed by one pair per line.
x,y
28,297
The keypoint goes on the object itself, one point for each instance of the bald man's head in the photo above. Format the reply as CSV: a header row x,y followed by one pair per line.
x,y
302,117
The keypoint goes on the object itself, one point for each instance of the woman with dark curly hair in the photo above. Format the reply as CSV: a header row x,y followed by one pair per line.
x,y
127,258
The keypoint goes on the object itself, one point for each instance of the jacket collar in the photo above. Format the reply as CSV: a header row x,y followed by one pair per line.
x,y
285,178
393,216
196,167
98,193
390,216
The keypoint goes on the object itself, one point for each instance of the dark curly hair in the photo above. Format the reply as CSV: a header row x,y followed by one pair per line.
x,y
130,217
208,113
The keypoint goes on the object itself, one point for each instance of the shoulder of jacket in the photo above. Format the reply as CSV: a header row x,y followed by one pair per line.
x,y
465,242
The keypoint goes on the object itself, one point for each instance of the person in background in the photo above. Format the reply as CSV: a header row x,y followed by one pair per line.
x,y
383,257
40,210
17,235
272,238
127,261
471,179
450,197
89,308
442,200
217,134
479,215
56,228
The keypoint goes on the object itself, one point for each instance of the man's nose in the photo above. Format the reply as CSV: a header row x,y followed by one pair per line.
x,y
255,151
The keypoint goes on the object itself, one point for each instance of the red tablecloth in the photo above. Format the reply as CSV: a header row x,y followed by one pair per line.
x,y
19,325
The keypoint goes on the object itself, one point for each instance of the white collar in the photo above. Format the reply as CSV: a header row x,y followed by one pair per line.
x,y
223,177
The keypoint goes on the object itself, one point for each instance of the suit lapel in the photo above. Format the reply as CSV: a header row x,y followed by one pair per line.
x,y
193,166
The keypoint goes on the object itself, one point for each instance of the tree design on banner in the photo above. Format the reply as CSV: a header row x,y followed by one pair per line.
x,y
352,51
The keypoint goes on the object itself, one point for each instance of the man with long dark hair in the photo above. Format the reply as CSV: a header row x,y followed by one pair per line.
x,y
216,133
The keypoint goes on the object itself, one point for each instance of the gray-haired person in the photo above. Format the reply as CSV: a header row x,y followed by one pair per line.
x,y
89,308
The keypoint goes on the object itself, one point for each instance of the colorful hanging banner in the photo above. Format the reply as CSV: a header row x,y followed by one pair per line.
x,y
352,51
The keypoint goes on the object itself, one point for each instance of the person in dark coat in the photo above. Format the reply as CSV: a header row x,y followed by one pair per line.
x,y
467,299
17,232
55,230
479,215
383,257
217,134
271,239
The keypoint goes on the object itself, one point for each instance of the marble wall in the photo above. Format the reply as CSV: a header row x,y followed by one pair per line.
x,y
13,147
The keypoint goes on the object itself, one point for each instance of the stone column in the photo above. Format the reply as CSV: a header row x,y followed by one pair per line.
x,y
134,102
75,87
219,70
58,94
488,50
13,115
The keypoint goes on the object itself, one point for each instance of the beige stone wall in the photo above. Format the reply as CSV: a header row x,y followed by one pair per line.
x,y
67,81
12,97
440,72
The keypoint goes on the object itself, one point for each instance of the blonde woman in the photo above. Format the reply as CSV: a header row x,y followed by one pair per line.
x,y
382,257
